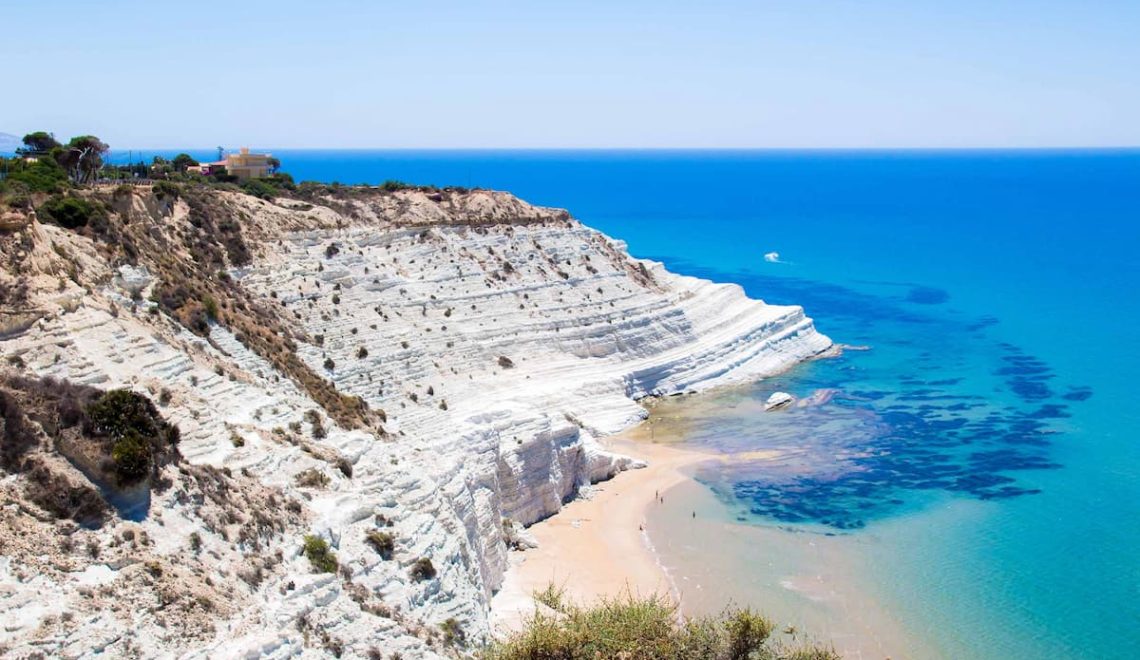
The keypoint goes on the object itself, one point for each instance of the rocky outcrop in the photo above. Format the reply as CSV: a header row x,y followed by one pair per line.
x,y
133,281
778,401
499,342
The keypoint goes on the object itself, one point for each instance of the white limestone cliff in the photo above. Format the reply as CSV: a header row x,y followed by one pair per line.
x,y
503,341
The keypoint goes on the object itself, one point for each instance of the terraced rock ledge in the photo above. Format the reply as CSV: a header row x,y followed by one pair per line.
x,y
400,377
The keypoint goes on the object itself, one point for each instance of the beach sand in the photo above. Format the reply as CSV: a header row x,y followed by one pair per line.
x,y
637,532
596,546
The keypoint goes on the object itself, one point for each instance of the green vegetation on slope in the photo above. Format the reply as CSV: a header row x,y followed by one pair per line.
x,y
138,436
645,628
117,438
322,558
72,212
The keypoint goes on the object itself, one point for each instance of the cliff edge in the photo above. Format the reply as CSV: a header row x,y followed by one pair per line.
x,y
401,373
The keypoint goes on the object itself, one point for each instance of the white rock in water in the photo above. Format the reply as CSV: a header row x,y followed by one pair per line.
x,y
778,401
133,280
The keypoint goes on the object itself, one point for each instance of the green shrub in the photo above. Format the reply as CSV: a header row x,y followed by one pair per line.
x,y
552,596
71,212
381,542
136,430
282,180
119,411
747,632
15,195
392,185
221,176
211,307
132,456
453,634
319,555
422,569
166,190
44,175
260,188
644,627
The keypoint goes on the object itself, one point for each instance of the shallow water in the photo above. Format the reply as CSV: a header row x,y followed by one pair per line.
x,y
805,582
979,465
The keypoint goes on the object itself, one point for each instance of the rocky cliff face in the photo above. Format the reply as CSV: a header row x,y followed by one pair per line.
x,y
421,365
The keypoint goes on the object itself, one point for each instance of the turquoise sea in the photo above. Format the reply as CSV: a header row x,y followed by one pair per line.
x,y
986,445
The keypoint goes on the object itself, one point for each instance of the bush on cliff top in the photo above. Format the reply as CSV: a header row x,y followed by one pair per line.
x,y
260,189
44,175
392,185
165,190
647,628
72,212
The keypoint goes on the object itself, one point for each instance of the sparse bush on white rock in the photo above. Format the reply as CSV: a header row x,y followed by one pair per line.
x,y
409,303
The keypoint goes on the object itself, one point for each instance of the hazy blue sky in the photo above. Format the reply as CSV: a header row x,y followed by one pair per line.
x,y
579,74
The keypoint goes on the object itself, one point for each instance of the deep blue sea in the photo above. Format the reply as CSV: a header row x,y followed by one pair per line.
x,y
999,296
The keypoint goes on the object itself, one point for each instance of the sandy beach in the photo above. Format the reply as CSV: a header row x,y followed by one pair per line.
x,y
596,546
600,545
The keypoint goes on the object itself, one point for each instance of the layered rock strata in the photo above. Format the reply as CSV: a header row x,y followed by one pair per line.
x,y
500,340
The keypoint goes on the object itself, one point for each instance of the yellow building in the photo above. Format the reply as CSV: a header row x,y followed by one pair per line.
x,y
245,165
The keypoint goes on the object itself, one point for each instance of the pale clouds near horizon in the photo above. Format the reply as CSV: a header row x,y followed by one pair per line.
x,y
586,74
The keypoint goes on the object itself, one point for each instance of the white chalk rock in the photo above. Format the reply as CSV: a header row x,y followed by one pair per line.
x,y
413,312
133,281
778,401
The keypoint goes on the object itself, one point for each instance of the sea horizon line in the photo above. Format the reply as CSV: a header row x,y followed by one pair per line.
x,y
1123,148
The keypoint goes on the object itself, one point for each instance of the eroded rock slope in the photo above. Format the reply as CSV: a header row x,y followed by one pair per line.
x,y
422,367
